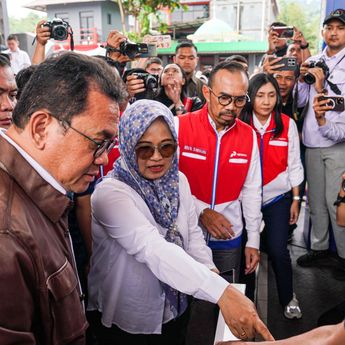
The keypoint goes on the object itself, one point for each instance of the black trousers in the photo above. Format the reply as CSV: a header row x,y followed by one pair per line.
x,y
173,332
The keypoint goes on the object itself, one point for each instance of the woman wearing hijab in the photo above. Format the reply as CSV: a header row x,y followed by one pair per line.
x,y
148,251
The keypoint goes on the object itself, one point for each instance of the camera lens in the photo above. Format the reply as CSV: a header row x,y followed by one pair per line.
x,y
309,78
59,33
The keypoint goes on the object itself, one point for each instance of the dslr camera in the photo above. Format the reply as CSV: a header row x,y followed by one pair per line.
x,y
133,50
150,80
58,29
309,78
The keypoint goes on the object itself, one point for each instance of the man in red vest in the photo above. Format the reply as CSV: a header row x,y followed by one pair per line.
x,y
220,157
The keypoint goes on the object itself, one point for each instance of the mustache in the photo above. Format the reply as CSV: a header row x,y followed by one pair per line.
x,y
228,112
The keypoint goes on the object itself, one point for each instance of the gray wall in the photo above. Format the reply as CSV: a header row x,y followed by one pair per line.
x,y
73,13
100,10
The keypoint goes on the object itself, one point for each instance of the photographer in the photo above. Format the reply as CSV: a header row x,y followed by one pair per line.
x,y
42,37
324,136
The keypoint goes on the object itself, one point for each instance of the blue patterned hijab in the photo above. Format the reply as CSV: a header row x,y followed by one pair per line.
x,y
161,195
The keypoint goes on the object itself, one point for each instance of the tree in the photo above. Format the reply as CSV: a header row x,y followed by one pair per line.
x,y
25,24
143,10
305,18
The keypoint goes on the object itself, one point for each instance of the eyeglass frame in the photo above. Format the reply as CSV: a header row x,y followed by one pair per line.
x,y
231,99
156,147
101,145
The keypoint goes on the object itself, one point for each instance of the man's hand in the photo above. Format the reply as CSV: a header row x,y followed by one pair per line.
x,y
240,315
299,38
42,33
320,107
216,224
114,40
273,40
269,66
134,85
252,259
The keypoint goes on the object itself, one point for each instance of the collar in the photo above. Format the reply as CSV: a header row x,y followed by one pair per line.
x,y
259,126
337,56
213,124
27,173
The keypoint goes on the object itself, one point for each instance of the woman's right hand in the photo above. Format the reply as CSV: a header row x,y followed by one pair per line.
x,y
173,92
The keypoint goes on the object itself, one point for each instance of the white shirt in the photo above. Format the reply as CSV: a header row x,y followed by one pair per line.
x,y
131,256
19,59
294,175
333,131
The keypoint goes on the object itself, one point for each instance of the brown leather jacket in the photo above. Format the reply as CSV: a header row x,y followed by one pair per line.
x,y
39,291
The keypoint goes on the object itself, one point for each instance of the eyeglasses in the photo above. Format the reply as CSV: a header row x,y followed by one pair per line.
x,y
101,146
146,151
225,100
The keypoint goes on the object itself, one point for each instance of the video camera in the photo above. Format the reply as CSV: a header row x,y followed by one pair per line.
x,y
133,50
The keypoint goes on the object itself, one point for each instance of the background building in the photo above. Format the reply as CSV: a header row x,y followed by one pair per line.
x,y
4,30
91,20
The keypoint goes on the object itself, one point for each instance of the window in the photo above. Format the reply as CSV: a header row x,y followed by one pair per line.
x,y
252,11
86,25
194,12
62,15
109,18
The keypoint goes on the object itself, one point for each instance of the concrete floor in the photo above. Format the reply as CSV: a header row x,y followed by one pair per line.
x,y
316,290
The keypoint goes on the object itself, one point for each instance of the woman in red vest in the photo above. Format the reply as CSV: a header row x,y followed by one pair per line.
x,y
282,173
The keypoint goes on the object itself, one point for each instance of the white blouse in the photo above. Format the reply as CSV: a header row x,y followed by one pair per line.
x,y
131,256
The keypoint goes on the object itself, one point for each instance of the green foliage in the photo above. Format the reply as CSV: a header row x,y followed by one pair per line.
x,y
143,10
25,24
305,18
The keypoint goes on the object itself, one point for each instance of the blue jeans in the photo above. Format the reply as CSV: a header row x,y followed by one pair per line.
x,y
275,237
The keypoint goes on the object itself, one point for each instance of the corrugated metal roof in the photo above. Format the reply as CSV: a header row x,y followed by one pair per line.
x,y
41,5
221,47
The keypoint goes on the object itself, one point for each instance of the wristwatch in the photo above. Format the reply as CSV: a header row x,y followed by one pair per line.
x,y
340,200
180,108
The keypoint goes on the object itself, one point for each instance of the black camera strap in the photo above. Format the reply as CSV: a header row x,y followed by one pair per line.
x,y
333,86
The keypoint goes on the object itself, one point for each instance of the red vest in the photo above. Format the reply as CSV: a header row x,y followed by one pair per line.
x,y
274,151
216,168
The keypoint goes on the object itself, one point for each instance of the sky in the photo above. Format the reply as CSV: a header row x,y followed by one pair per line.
x,y
15,9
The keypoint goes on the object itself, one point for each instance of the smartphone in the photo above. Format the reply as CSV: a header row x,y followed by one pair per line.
x,y
336,102
290,64
284,31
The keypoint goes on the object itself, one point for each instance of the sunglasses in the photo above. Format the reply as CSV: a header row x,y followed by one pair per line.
x,y
146,151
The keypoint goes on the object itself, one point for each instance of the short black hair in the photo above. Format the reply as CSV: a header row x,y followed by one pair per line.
x,y
153,60
186,44
12,38
279,24
237,58
61,85
4,60
22,77
231,66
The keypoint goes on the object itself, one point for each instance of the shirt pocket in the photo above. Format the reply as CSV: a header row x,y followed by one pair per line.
x,y
66,309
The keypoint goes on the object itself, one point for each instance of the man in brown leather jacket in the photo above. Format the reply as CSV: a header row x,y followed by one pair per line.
x,y
63,126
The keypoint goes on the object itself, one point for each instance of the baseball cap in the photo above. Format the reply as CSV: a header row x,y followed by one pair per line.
x,y
338,14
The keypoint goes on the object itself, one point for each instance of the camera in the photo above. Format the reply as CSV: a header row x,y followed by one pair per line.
x,y
133,50
309,78
58,29
284,31
150,80
336,102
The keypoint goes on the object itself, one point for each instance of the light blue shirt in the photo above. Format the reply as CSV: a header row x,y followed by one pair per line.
x,y
333,131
